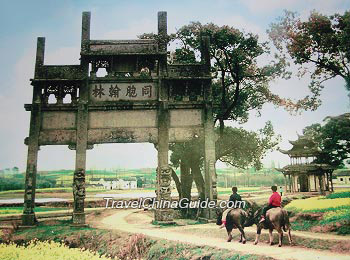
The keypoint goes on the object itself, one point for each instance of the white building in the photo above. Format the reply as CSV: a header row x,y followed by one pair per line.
x,y
115,183
342,177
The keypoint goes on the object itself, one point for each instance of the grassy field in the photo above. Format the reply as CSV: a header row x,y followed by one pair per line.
x,y
67,192
19,210
324,213
92,191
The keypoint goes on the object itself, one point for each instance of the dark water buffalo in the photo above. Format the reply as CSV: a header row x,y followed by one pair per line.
x,y
235,219
276,218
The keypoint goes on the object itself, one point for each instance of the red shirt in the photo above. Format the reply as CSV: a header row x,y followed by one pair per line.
x,y
275,199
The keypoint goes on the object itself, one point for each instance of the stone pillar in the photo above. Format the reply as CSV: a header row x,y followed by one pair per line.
x,y
79,197
28,217
80,160
209,134
163,171
162,30
163,190
85,31
209,159
82,131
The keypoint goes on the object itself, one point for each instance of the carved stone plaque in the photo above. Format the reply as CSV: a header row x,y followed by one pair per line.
x,y
122,91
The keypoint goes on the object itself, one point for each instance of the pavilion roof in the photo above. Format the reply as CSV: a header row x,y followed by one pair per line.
x,y
305,168
304,146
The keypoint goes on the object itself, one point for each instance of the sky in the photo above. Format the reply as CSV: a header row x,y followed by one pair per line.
x,y
21,22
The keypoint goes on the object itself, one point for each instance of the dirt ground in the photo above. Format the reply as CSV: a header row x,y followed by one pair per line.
x,y
139,221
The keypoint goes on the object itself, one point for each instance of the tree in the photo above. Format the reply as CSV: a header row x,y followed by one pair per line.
x,y
319,45
240,85
333,139
240,82
237,147
242,149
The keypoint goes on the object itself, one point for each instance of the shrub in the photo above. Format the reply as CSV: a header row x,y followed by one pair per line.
x,y
344,230
135,248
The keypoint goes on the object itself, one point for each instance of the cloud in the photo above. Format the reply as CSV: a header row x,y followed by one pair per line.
x,y
132,31
63,56
302,6
241,23
13,118
267,6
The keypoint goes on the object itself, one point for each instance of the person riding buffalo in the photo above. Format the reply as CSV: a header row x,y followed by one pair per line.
x,y
232,202
274,202
235,196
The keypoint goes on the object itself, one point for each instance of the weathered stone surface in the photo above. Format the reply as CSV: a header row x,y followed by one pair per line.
x,y
114,119
164,182
68,72
185,117
58,120
102,47
79,190
123,135
28,219
164,215
182,134
57,137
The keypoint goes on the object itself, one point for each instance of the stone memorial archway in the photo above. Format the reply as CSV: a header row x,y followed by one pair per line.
x,y
141,99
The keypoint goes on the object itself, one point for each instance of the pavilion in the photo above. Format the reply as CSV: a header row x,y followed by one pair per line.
x,y
303,174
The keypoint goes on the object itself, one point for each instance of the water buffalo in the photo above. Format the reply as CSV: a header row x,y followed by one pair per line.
x,y
276,218
236,218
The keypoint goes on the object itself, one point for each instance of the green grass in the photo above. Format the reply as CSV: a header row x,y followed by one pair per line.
x,y
324,210
18,210
50,232
173,224
39,190
164,249
338,195
62,190
240,191
304,225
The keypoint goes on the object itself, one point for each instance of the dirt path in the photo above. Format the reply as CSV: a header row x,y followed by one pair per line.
x,y
136,221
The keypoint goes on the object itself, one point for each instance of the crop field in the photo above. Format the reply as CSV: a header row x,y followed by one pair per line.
x,y
40,250
318,204
324,213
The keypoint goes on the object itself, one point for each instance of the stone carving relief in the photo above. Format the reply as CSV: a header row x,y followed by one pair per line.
x,y
164,183
79,190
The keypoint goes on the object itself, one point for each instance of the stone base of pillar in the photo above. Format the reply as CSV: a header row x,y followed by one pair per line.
x,y
209,214
78,219
164,215
28,220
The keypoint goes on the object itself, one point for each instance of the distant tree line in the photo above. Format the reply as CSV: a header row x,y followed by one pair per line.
x,y
229,180
16,182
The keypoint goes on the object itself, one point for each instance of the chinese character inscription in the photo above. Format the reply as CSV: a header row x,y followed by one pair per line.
x,y
122,91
